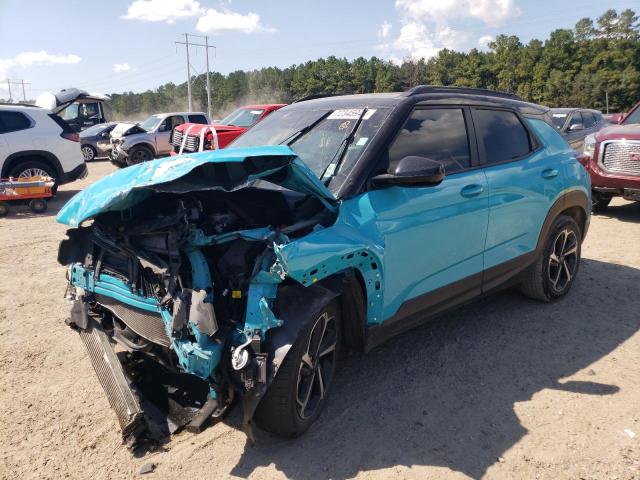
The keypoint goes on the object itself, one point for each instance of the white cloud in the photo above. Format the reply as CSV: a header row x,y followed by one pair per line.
x,y
426,25
121,67
491,12
385,30
28,59
162,10
215,21
484,41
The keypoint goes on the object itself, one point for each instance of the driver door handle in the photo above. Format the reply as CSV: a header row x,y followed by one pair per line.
x,y
549,173
472,190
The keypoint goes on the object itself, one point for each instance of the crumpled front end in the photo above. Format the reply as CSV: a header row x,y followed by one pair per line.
x,y
186,279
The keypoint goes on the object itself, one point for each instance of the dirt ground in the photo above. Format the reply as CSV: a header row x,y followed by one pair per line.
x,y
505,388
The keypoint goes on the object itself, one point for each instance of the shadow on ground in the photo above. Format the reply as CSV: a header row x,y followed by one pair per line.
x,y
627,212
444,394
20,211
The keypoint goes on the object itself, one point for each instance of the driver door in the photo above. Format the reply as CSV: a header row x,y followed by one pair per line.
x,y
163,135
433,236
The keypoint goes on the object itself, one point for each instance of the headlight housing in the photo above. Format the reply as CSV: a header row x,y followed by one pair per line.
x,y
590,145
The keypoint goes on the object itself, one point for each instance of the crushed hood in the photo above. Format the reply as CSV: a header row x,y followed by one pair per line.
x,y
122,128
227,169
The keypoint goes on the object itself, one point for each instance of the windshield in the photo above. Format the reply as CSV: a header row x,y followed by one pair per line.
x,y
633,117
71,112
320,146
151,123
243,117
559,119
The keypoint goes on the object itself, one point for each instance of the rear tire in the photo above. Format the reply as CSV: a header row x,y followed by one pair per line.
x,y
4,209
297,395
29,168
599,201
553,273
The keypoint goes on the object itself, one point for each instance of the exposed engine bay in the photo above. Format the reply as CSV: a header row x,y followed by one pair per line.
x,y
189,282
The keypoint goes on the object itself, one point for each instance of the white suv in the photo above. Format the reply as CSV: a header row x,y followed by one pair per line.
x,y
34,141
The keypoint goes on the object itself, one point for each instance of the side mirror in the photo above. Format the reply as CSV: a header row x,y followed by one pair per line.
x,y
412,172
164,127
575,127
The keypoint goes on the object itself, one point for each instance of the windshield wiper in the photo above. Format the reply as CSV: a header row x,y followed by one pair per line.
x,y
336,161
299,133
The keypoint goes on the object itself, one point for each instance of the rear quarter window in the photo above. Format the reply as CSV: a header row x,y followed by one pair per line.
x,y
13,122
589,121
198,119
502,135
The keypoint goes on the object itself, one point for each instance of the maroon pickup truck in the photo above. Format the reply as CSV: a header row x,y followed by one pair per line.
x,y
612,157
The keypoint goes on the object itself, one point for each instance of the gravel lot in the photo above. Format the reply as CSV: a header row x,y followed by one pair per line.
x,y
503,388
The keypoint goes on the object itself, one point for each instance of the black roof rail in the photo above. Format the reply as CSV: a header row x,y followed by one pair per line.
x,y
313,96
466,90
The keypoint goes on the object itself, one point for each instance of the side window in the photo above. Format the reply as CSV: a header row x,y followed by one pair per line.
x,y
576,119
88,110
502,134
13,122
439,134
198,119
587,118
175,121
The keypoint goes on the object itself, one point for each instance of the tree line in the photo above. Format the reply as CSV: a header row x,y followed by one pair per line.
x,y
578,67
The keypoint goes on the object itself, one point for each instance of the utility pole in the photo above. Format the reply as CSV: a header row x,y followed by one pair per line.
x,y
17,82
206,49
206,46
606,96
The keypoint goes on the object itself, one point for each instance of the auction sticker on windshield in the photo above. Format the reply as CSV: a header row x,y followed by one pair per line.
x,y
351,114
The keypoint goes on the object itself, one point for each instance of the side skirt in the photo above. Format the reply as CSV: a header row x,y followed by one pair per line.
x,y
419,310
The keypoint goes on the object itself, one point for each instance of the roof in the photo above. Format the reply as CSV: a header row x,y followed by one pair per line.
x,y
264,106
19,106
572,109
423,94
179,113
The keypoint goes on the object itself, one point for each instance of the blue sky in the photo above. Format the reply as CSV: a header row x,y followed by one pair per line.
x,y
122,45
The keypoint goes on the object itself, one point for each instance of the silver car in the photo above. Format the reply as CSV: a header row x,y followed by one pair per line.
x,y
95,141
149,139
576,123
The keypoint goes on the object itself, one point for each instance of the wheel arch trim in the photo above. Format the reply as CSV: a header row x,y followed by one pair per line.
x,y
35,155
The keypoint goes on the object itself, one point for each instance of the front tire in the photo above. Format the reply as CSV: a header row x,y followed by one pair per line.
x,y
138,155
553,273
297,395
88,153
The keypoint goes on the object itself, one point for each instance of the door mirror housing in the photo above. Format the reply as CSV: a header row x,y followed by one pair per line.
x,y
575,127
412,171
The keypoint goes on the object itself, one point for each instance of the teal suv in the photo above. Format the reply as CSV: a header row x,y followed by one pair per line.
x,y
334,223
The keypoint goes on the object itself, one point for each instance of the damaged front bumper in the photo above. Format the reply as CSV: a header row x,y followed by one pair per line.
x,y
136,316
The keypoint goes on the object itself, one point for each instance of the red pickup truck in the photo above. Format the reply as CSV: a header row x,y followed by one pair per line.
x,y
612,158
193,137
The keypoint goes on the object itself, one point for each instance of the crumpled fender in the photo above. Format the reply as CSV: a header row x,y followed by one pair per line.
x,y
294,305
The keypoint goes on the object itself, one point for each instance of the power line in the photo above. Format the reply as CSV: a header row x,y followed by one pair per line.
x,y
20,82
189,66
